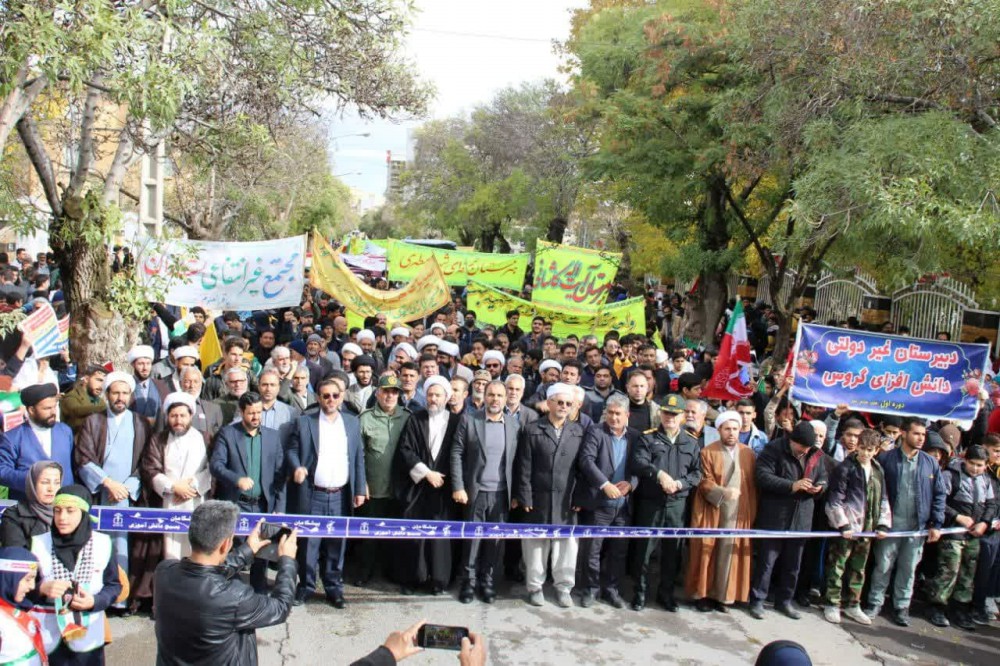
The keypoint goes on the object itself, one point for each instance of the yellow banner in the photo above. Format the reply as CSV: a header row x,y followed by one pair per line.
x,y
405,260
575,277
425,293
491,306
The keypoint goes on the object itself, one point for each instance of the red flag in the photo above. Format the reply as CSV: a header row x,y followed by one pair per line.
x,y
731,379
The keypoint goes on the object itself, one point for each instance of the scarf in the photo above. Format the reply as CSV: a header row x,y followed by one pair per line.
x,y
67,547
41,510
15,564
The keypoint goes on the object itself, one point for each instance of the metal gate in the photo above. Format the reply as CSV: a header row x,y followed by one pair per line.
x,y
838,298
929,307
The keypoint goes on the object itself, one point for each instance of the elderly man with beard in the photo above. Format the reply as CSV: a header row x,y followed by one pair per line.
x,y
546,473
84,399
482,476
695,413
423,459
175,475
207,415
184,357
107,453
477,393
237,383
281,361
298,395
40,437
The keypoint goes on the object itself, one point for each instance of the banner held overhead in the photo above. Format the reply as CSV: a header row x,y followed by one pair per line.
x,y
573,276
405,260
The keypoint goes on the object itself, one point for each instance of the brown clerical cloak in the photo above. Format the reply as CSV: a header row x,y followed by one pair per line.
x,y
709,510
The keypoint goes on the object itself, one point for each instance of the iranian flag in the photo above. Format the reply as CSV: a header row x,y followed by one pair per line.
x,y
731,379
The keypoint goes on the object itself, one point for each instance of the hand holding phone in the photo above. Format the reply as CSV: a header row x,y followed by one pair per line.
x,y
441,637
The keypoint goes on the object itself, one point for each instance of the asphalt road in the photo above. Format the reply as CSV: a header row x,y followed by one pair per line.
x,y
521,634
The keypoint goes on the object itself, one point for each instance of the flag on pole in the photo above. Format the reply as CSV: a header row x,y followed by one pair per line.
x,y
731,379
209,349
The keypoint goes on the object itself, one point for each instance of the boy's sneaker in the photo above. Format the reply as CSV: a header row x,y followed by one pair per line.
x,y
937,617
856,614
832,614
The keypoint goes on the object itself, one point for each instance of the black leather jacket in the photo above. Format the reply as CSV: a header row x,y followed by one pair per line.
x,y
207,615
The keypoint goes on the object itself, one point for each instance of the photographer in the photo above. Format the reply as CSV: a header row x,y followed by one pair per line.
x,y
204,613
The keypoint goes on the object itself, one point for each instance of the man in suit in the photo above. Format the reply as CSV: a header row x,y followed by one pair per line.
x,y
207,415
545,473
423,460
248,467
326,458
521,413
40,437
604,495
482,475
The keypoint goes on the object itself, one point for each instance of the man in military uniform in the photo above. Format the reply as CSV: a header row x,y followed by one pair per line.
x,y
668,465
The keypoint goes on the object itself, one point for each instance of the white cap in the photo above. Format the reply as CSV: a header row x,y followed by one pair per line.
x,y
438,324
179,398
548,364
351,347
560,388
494,354
187,351
449,348
728,415
400,330
141,351
438,380
366,335
662,356
118,376
428,340
408,348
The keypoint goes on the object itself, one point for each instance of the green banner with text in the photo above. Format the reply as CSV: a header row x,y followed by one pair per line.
x,y
405,261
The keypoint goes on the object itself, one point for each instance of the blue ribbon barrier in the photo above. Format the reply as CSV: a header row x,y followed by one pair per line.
x,y
165,521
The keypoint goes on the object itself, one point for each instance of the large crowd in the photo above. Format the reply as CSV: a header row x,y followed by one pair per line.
x,y
447,419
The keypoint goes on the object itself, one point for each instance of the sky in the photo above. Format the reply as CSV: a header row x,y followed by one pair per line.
x,y
468,49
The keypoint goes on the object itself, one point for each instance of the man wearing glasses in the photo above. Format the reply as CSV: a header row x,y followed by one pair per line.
x,y
493,361
326,460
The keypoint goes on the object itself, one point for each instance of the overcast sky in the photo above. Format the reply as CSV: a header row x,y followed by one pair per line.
x,y
468,49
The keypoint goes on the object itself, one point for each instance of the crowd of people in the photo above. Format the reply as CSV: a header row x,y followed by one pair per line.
x,y
447,419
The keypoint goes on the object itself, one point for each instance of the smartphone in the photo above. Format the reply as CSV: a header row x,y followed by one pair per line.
x,y
441,637
274,534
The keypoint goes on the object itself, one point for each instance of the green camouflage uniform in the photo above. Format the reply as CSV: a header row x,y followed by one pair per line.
x,y
957,559
846,558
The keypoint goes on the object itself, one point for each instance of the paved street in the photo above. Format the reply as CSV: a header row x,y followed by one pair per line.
x,y
521,634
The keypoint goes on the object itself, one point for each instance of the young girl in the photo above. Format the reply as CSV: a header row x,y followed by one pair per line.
x,y
857,502
79,580
20,633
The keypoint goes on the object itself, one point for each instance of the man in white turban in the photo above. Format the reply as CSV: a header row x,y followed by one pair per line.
x,y
719,572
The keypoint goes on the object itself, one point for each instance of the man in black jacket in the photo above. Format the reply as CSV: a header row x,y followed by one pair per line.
x,y
667,462
604,494
790,474
204,613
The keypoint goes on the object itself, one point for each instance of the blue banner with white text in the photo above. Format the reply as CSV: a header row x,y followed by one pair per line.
x,y
889,374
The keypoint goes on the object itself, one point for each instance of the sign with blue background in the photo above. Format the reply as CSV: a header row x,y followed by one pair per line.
x,y
873,372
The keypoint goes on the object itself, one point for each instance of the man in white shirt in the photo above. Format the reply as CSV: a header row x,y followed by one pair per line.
x,y
326,459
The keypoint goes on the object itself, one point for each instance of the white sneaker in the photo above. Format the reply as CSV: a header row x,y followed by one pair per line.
x,y
832,614
858,615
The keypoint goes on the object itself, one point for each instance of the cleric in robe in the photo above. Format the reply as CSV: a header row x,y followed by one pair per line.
x,y
719,571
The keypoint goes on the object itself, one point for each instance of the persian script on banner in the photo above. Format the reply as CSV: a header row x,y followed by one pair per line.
x,y
491,306
573,276
425,292
48,336
226,276
405,260
889,374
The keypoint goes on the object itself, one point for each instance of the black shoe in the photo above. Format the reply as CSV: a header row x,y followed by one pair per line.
x,y
407,591
467,594
337,601
788,610
705,605
963,620
668,603
803,600
721,607
756,610
300,598
488,594
901,617
638,602
935,617
615,599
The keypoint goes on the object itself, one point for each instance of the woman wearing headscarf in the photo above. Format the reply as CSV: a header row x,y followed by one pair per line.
x,y
79,581
20,634
32,516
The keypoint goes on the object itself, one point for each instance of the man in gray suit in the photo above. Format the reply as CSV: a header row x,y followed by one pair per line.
x,y
482,472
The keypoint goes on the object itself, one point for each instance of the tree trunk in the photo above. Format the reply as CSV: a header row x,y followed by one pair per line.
x,y
557,229
624,240
713,300
782,339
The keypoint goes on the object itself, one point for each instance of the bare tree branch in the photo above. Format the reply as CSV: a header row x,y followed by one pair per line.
x,y
27,130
